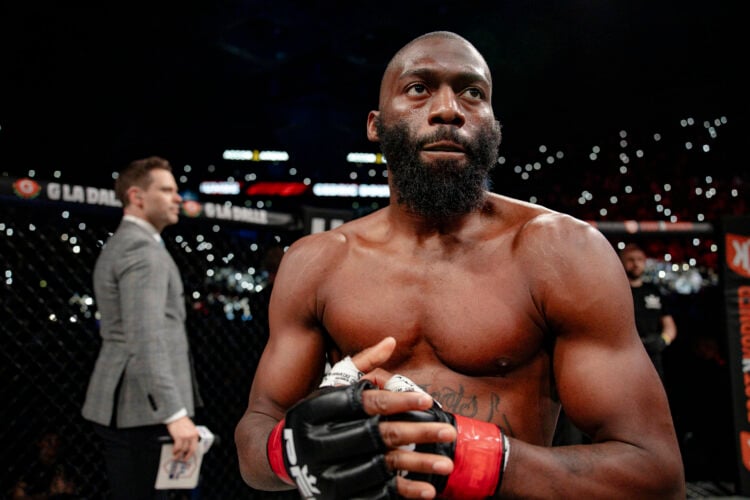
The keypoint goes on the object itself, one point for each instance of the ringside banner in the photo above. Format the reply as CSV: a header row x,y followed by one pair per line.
x,y
24,188
736,273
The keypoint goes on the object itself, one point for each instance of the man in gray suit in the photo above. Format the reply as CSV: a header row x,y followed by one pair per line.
x,y
143,384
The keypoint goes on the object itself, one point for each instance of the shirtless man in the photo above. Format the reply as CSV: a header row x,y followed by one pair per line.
x,y
501,310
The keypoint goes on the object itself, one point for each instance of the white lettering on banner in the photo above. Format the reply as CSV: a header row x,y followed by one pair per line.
x,y
240,214
73,193
99,196
741,254
81,194
53,191
336,223
250,215
214,211
317,225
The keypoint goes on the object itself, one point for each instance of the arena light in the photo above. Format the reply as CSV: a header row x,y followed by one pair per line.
x,y
273,156
341,190
219,187
365,158
255,155
335,189
374,191
276,189
237,154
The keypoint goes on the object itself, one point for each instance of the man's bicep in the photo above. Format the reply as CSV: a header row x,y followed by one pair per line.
x,y
605,380
289,369
607,390
294,357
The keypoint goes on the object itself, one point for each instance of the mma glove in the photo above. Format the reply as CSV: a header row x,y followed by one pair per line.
x,y
329,448
479,454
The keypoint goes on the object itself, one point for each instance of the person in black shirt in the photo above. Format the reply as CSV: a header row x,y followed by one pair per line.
x,y
655,324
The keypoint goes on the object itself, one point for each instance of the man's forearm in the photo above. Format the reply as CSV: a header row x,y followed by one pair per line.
x,y
251,438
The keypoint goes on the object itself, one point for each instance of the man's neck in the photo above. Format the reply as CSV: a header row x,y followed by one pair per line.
x,y
141,222
636,283
425,226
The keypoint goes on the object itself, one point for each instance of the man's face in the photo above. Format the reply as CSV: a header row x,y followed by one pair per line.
x,y
161,200
634,262
442,187
49,447
436,126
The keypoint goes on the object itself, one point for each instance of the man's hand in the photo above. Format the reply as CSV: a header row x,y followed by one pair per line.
x,y
185,436
335,444
350,370
479,453
332,445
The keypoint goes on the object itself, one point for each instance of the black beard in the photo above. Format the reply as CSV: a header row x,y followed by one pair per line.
x,y
444,188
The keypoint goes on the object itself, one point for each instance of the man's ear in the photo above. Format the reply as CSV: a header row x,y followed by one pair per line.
x,y
135,195
372,126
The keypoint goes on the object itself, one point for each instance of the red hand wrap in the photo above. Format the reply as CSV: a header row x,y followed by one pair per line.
x,y
477,461
275,450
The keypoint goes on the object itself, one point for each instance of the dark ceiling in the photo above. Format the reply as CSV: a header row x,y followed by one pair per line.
x,y
93,87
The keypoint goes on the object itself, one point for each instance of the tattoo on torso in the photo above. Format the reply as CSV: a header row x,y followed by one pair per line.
x,y
458,402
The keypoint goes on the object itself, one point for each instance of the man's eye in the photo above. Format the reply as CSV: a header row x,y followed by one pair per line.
x,y
474,93
416,89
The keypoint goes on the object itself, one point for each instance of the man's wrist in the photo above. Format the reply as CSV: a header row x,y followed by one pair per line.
x,y
176,416
480,458
666,338
274,451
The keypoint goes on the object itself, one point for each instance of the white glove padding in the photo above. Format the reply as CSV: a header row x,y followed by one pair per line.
x,y
399,383
343,373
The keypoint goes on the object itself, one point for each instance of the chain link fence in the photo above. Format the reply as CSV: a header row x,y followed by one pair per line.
x,y
49,342
50,337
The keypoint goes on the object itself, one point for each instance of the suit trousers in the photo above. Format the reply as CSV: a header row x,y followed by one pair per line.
x,y
132,458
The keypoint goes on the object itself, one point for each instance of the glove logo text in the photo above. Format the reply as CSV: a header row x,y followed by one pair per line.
x,y
303,479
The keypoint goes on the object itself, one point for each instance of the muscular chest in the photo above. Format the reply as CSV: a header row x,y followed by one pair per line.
x,y
474,317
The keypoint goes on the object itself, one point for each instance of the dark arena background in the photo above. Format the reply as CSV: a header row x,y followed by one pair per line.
x,y
628,115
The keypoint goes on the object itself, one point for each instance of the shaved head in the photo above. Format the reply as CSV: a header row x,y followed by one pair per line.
x,y
436,126
416,48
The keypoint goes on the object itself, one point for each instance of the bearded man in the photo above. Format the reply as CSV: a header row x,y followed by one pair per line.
x,y
458,323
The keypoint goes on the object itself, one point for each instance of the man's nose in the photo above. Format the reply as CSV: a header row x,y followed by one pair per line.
x,y
445,108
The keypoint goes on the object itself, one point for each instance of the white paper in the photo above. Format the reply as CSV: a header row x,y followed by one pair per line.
x,y
182,474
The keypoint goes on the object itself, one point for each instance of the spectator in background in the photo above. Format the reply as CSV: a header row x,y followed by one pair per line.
x,y
49,477
143,385
655,324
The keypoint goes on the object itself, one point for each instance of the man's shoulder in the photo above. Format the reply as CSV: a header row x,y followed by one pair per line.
x,y
128,239
545,240
330,246
344,234
126,234
532,220
317,246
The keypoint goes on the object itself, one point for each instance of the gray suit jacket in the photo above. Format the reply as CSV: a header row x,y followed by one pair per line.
x,y
140,298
